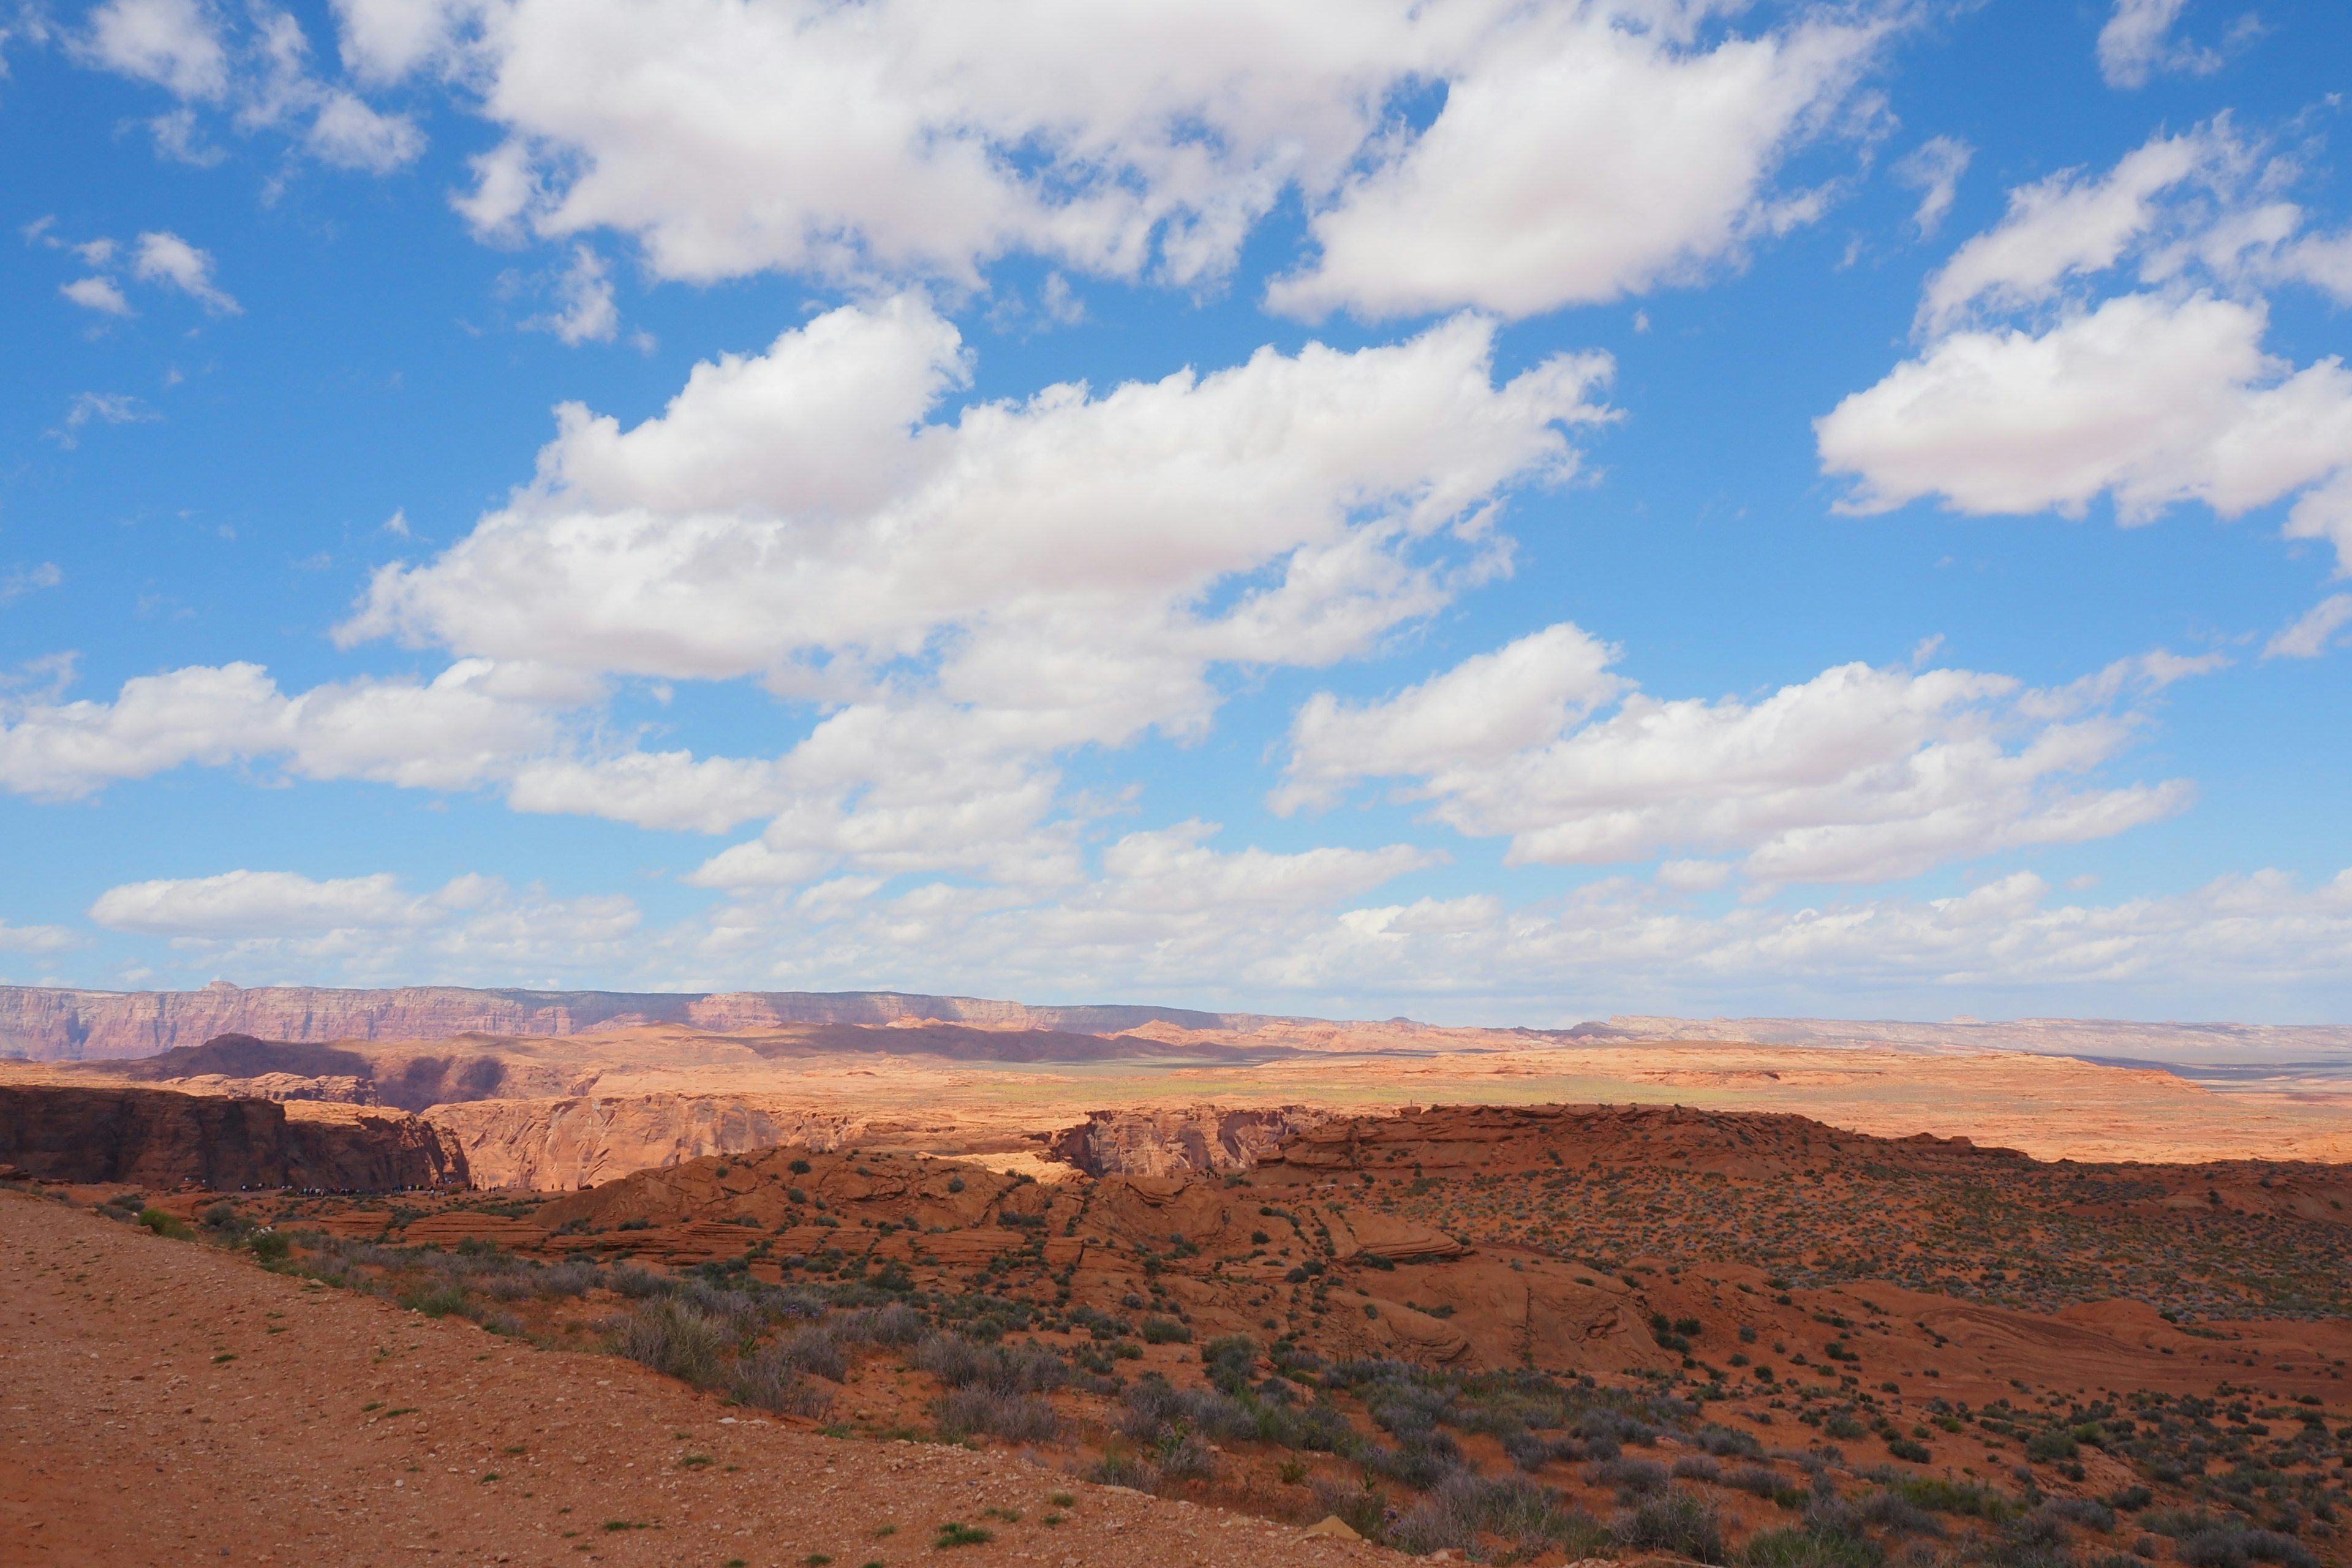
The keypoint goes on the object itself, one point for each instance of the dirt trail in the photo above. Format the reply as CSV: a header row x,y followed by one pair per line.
x,y
163,1401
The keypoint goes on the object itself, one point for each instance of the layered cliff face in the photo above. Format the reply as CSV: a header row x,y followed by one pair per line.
x,y
1203,1139
578,1141
161,1138
46,1025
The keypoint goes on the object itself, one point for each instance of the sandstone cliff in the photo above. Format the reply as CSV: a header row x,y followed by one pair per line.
x,y
160,1138
1202,1138
48,1025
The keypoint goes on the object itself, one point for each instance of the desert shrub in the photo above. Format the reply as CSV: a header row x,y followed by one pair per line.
x,y
1697,1467
437,1300
1760,1479
674,1337
640,1284
976,1407
1794,1548
2082,1511
576,1276
2230,1544
1182,1455
163,1224
896,1324
1972,1499
1531,1451
1897,1515
1421,1461
1121,1468
270,1246
1724,1442
1458,1510
817,1352
957,1362
1632,1478
2049,1447
1154,1408
1228,1361
1676,1519
1158,1331
1318,1427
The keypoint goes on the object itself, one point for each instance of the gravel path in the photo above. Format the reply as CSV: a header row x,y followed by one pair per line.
x,y
161,1402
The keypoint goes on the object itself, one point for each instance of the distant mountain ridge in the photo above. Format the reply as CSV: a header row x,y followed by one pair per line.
x,y
53,1024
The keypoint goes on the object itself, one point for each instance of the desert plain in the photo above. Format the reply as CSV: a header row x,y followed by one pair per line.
x,y
366,1276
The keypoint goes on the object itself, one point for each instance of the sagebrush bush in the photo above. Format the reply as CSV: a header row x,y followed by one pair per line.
x,y
674,1337
976,1407
1677,1520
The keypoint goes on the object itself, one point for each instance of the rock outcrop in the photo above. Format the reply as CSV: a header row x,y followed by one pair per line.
x,y
160,1138
579,1140
44,1024
1207,1139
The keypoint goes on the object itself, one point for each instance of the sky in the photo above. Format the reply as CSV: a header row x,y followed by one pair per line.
x,y
1489,511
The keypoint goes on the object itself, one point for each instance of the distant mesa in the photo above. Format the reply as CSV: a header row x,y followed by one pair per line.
x,y
43,1023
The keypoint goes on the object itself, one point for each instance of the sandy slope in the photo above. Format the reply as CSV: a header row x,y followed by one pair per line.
x,y
163,1401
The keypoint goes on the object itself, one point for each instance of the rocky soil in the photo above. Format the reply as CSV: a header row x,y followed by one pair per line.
x,y
166,1403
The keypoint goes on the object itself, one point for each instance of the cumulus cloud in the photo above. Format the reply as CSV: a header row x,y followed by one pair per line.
x,y
1577,159
1857,776
1606,946
99,407
371,927
2138,42
349,134
2032,393
978,592
917,139
249,67
2310,634
164,258
175,43
2151,400
98,294
455,731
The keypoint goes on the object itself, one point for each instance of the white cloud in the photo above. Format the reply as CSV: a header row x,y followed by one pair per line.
x,y
1857,776
586,311
2138,42
96,294
467,725
2152,400
1934,169
257,904
372,927
1611,946
1481,712
918,139
350,134
1580,156
19,581
175,43
104,408
37,939
164,258
2065,225
2310,634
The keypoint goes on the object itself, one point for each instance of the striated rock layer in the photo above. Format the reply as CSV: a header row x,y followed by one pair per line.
x,y
50,1025
1203,1139
160,1138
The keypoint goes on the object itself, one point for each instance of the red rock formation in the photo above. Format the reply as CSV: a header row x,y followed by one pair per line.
x,y
159,1137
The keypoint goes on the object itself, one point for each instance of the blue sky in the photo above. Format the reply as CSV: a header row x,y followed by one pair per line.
x,y
1498,512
